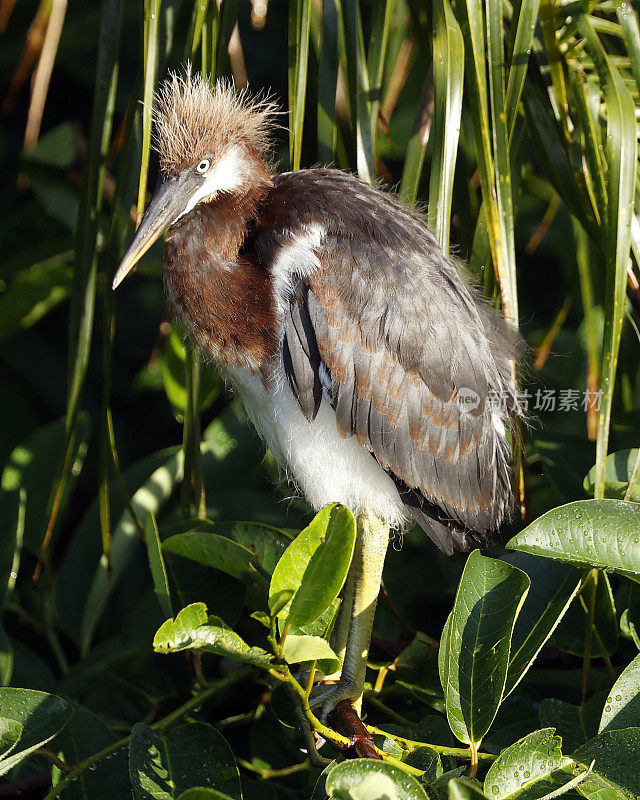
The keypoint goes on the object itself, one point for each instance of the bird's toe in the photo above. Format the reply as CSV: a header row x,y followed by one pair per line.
x,y
329,696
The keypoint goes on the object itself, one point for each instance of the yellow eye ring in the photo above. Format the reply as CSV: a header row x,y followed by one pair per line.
x,y
203,166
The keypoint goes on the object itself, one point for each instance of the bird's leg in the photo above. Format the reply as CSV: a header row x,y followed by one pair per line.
x,y
356,622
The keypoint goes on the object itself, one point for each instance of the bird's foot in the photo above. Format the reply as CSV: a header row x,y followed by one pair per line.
x,y
329,696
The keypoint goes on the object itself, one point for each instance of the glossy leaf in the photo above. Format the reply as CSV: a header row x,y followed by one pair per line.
x,y
193,755
488,600
300,649
464,789
265,542
532,768
599,533
41,716
10,733
193,629
618,469
553,586
365,778
204,793
314,567
217,552
622,707
616,755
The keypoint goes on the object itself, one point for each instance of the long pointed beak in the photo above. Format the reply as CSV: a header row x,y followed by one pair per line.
x,y
169,201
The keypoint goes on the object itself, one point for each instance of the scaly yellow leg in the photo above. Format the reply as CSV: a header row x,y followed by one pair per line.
x,y
356,617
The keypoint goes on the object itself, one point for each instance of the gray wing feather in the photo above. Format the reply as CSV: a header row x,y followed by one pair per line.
x,y
401,335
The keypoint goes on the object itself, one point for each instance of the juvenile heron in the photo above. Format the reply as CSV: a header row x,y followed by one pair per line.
x,y
363,358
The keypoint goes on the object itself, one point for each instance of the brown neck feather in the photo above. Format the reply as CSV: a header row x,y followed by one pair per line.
x,y
223,298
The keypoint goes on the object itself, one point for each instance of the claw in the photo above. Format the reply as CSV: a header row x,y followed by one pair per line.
x,y
330,696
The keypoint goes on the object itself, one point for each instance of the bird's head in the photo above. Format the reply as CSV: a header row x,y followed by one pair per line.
x,y
210,140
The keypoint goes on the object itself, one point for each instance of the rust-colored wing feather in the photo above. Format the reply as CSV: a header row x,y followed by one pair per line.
x,y
382,325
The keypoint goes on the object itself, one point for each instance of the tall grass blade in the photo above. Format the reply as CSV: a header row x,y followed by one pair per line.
x,y
519,59
358,77
622,155
228,16
328,83
194,33
298,91
150,53
414,158
83,293
502,181
383,12
628,19
448,82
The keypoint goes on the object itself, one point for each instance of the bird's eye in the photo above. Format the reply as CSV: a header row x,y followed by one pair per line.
x,y
203,166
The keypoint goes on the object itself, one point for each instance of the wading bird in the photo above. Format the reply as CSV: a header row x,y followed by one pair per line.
x,y
363,358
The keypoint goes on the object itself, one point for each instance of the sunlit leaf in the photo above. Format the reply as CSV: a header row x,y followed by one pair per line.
x,y
489,598
194,629
599,533
365,778
314,567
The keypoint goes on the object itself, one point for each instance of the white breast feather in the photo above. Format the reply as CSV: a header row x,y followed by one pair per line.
x,y
325,467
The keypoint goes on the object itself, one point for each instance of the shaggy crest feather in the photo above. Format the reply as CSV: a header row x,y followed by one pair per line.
x,y
193,119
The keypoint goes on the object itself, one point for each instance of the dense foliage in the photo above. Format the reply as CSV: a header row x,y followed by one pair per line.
x,y
158,591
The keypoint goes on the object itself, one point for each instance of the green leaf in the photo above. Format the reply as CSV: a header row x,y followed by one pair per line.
x,y
368,779
622,708
464,789
41,716
594,533
156,562
530,768
265,542
574,724
218,552
616,755
33,466
193,629
55,149
84,735
314,567
10,733
488,600
618,470
193,755
553,586
203,793
299,649
32,294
